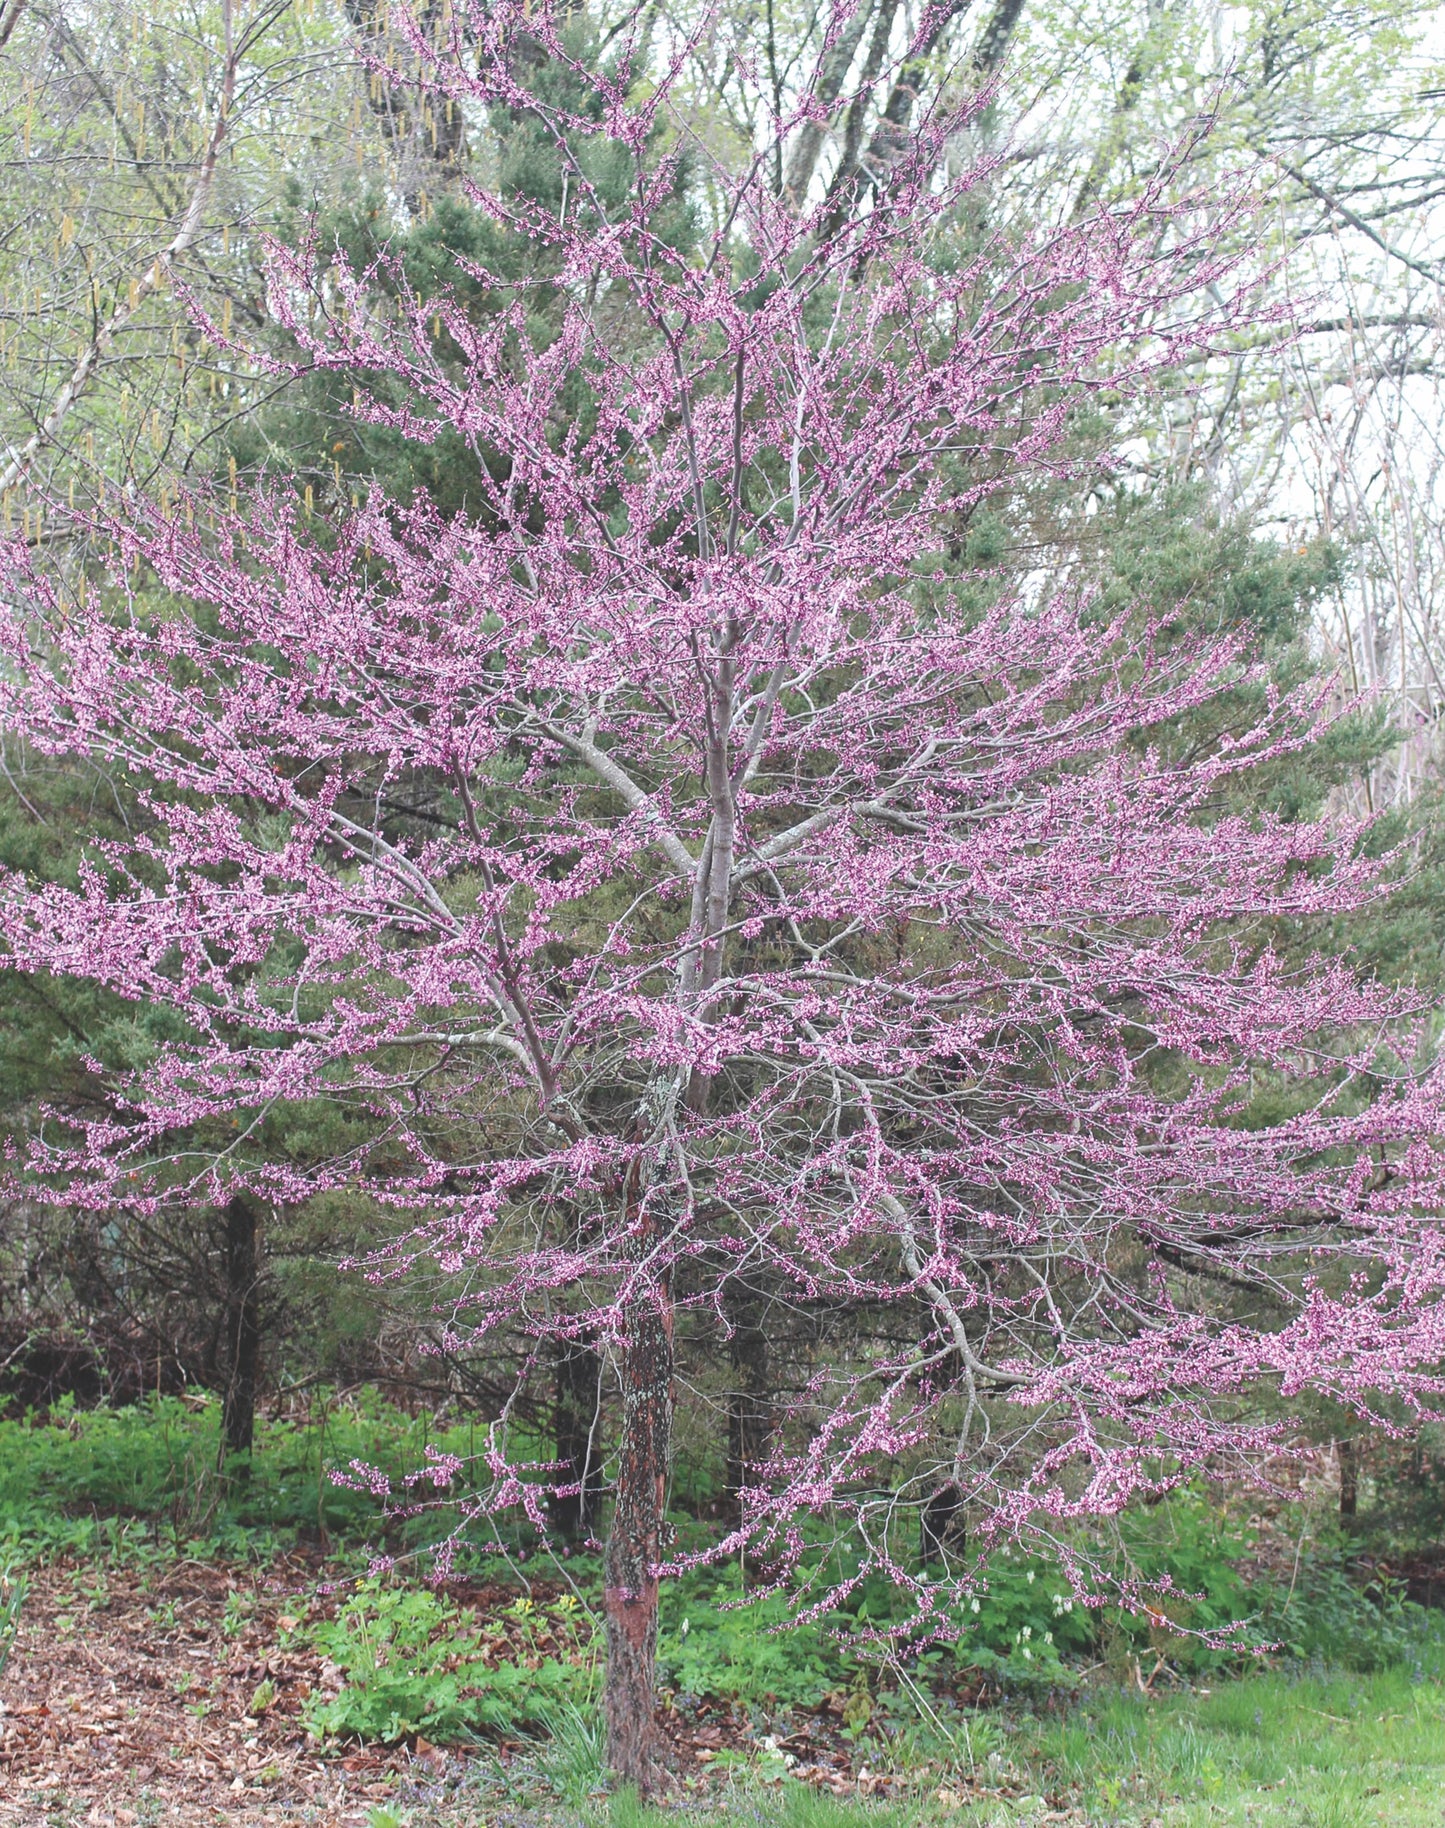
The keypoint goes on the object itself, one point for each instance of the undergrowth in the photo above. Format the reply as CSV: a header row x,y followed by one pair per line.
x,y
410,1659
415,1661
92,1481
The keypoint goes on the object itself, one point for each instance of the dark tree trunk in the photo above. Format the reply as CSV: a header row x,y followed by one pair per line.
x,y
579,1375
1349,1477
750,1400
942,1530
243,1328
636,1543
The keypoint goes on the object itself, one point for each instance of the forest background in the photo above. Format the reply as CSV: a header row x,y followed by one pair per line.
x,y
202,1374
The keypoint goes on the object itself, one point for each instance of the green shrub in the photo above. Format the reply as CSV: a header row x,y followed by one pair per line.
x,y
1024,1620
413,1661
710,1643
1327,1618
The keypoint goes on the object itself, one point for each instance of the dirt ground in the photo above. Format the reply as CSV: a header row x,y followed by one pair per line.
x,y
125,1700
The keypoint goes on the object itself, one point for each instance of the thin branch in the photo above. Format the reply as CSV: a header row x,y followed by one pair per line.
x,y
159,270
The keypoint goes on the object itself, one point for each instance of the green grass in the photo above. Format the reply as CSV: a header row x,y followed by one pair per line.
x,y
1268,1750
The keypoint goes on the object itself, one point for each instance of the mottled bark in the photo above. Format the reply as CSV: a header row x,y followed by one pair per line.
x,y
993,40
843,186
636,1542
835,66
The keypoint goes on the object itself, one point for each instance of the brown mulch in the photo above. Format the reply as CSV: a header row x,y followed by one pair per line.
x,y
126,1702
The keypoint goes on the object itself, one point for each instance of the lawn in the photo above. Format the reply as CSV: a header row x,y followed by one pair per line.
x,y
1299,1752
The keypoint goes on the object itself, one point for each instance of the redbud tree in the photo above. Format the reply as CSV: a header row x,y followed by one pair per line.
x,y
682,870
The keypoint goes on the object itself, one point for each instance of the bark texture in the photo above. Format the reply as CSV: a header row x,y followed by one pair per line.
x,y
1349,1455
635,1543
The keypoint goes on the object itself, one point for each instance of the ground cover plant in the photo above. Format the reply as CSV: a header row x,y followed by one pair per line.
x,y
190,1704
83,1480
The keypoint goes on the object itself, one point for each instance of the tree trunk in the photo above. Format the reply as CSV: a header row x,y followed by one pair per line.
x,y
635,1542
243,1330
1349,1477
579,1374
750,1405
942,1531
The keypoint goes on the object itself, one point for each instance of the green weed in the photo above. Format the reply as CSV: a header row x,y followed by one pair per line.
x,y
128,1483
13,1587
712,1643
413,1661
574,1761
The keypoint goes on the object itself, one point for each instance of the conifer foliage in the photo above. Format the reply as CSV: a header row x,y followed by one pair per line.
x,y
684,872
